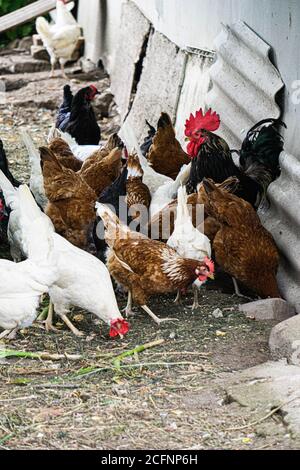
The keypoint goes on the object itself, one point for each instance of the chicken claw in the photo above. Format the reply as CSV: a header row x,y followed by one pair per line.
x,y
155,318
128,309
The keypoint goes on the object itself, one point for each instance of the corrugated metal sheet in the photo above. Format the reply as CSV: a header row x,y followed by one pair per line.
x,y
245,82
283,221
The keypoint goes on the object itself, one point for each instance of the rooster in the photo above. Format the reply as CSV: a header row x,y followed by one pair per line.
x,y
77,117
242,246
60,39
166,155
212,158
146,267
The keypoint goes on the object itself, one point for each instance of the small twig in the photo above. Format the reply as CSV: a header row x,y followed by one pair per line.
x,y
31,397
92,371
6,353
138,349
63,386
271,413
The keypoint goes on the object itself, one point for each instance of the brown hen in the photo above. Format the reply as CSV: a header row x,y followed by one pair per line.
x,y
102,173
71,205
64,154
137,192
166,155
243,247
146,267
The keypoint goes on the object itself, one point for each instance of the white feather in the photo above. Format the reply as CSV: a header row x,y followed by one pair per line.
x,y
36,176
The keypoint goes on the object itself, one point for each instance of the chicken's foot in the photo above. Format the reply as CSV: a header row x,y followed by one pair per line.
x,y
128,309
70,325
237,290
177,301
9,334
196,298
155,318
49,321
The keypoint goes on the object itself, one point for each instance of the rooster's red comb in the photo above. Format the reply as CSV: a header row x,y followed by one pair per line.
x,y
209,121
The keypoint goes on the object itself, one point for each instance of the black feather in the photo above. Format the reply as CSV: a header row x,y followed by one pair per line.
x,y
64,111
263,145
148,140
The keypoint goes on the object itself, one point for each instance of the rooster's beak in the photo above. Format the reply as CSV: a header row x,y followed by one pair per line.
x,y
211,276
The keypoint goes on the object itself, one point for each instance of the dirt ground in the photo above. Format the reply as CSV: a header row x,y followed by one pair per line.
x,y
170,396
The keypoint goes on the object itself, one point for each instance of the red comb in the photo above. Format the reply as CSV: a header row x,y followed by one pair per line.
x,y
210,264
209,121
94,88
118,327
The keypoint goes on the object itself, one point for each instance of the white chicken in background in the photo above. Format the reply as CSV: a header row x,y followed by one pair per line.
x,y
22,284
82,152
168,191
15,230
188,241
60,39
36,175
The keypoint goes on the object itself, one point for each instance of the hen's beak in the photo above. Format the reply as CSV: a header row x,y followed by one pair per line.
x,y
211,276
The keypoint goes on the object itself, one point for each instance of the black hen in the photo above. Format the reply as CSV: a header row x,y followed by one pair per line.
x,y
148,140
81,122
114,196
64,111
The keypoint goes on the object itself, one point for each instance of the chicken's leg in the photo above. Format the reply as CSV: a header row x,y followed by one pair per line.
x,y
62,66
237,290
196,298
9,334
128,309
70,325
53,62
49,321
178,298
155,318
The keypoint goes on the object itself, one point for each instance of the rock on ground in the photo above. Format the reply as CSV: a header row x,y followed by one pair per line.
x,y
268,309
268,386
285,340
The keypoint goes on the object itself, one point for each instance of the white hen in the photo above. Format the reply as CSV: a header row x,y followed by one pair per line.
x,y
15,230
168,191
83,282
22,284
36,175
82,152
187,240
60,38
